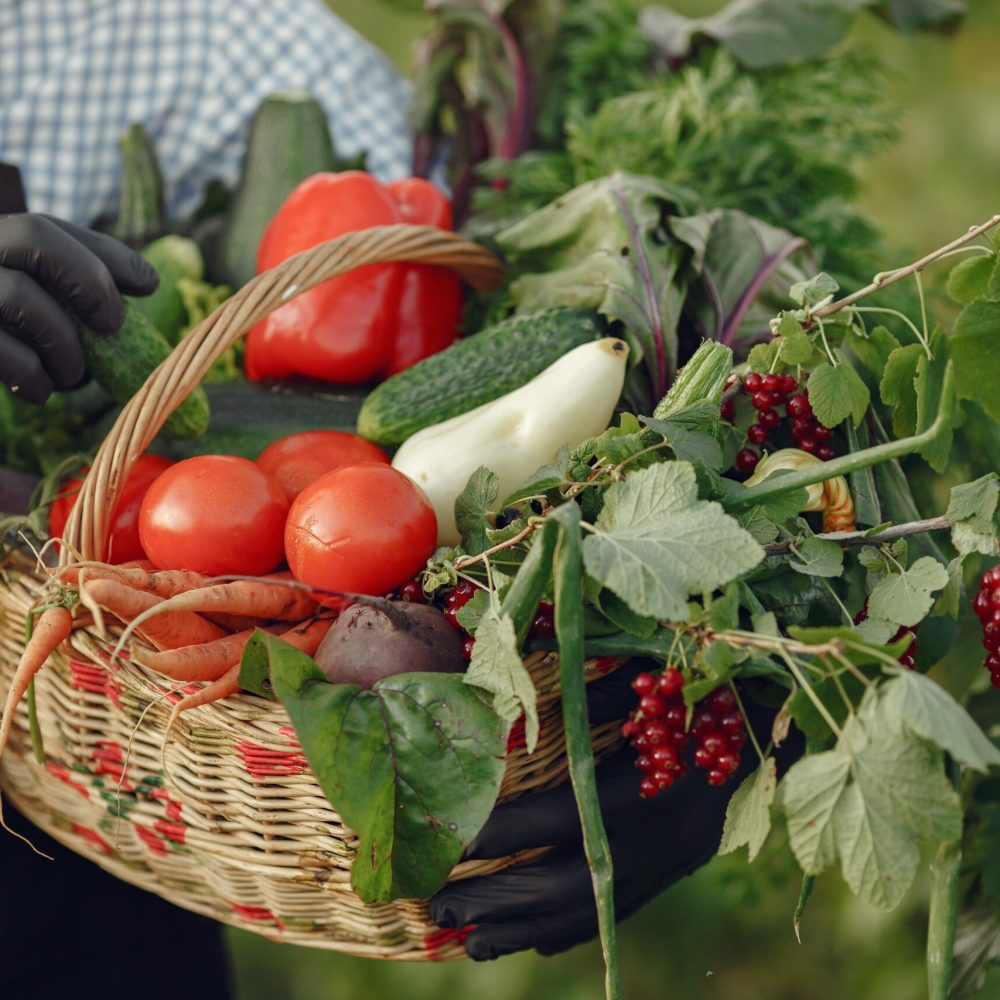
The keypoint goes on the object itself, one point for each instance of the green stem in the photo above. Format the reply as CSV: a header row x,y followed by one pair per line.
x,y
35,728
808,881
580,752
521,600
945,869
846,464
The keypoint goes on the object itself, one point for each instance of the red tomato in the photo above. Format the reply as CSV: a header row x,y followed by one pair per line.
x,y
215,514
363,529
299,459
123,538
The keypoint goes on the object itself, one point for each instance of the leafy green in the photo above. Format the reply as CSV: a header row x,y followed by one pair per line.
x,y
496,666
431,752
601,245
970,279
818,557
838,392
905,598
748,815
898,389
975,353
928,711
972,511
655,543
867,803
473,505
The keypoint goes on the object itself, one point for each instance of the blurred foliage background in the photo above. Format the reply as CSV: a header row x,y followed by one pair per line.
x,y
727,930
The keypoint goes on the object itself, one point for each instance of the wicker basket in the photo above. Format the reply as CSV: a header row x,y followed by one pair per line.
x,y
236,827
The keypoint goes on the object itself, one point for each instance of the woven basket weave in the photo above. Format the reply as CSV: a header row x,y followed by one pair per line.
x,y
236,827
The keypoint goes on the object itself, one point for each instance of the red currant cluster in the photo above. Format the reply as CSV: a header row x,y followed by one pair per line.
x,y
457,598
767,394
656,730
986,604
908,658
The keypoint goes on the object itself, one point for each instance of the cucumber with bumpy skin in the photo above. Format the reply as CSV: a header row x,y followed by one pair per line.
x,y
173,258
122,361
141,213
474,371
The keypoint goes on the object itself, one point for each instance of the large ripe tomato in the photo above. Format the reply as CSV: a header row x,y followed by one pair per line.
x,y
363,529
215,514
124,544
297,460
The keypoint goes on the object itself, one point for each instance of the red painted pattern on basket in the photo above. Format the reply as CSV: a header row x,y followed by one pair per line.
x,y
293,737
66,777
255,913
605,664
175,696
517,738
151,839
171,807
263,762
110,761
93,837
176,832
96,679
437,941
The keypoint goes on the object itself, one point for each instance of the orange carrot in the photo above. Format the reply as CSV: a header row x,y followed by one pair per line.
x,y
166,630
52,627
206,661
160,583
255,598
305,637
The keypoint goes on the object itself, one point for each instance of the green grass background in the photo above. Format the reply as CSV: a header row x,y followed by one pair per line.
x,y
726,932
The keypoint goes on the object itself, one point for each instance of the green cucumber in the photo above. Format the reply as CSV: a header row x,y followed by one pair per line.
x,y
121,362
173,258
289,141
474,371
141,212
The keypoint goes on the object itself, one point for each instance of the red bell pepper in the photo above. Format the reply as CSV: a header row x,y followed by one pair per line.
x,y
431,302
366,324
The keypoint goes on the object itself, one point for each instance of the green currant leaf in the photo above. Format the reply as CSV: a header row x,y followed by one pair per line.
x,y
655,542
873,350
818,557
970,279
906,598
837,393
972,512
975,353
930,385
815,291
473,505
748,815
898,389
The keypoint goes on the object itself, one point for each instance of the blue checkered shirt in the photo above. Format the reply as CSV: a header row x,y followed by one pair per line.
x,y
75,73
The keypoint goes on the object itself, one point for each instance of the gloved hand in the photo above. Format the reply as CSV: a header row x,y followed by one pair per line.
x,y
50,272
548,904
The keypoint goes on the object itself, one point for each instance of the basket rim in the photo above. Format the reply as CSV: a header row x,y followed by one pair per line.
x,y
183,370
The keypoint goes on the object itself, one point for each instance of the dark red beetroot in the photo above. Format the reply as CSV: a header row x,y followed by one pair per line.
x,y
371,641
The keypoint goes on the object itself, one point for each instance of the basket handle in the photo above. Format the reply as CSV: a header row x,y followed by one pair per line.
x,y
170,384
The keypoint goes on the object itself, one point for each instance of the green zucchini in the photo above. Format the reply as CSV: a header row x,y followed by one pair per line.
x,y
173,258
289,141
141,212
474,371
121,362
248,416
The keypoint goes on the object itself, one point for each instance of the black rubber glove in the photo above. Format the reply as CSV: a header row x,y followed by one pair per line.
x,y
50,272
548,904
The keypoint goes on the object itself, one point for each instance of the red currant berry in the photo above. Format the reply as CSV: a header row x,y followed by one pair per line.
x,y
717,777
991,639
722,700
906,660
461,594
665,756
703,721
652,706
644,683
702,758
451,616
798,406
728,762
992,663
788,384
647,788
714,744
986,580
746,460
630,728
663,779
641,743
820,432
737,739
772,382
824,453
732,723
645,763
543,625
762,401
467,643
671,682
412,591
995,680
808,444
770,420
753,382
657,732
676,716
757,433
728,409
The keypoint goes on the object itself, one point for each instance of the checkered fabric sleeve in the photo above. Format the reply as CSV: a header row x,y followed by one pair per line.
x,y
75,73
